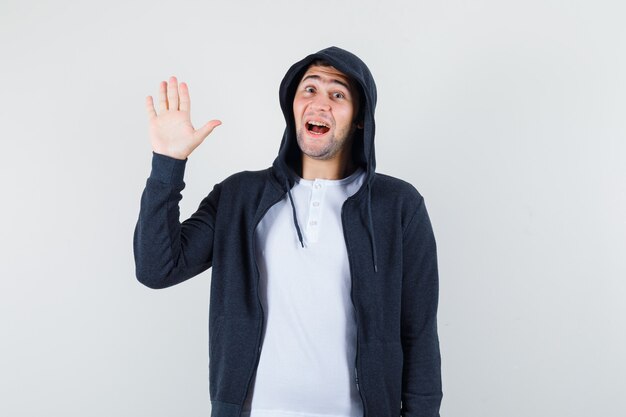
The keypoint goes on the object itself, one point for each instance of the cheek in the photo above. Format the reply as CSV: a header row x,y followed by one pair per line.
x,y
297,111
345,117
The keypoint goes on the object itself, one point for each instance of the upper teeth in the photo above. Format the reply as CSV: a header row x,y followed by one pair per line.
x,y
317,123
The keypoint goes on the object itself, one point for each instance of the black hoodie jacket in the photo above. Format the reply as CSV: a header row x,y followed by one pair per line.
x,y
391,252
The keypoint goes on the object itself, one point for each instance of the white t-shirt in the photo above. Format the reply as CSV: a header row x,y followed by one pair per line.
x,y
306,367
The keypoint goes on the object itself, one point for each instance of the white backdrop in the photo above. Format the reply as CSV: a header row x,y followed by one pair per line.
x,y
508,116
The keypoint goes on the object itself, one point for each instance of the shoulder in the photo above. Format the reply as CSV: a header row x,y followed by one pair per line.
x,y
402,196
396,189
243,185
397,196
247,178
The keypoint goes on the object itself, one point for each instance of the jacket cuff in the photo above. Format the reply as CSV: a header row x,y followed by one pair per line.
x,y
167,169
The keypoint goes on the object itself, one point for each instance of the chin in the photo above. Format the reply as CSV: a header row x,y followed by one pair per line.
x,y
314,150
321,154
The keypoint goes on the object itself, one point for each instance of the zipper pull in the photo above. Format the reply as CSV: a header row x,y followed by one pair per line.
x,y
356,377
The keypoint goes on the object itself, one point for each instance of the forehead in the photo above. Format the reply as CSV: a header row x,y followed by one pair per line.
x,y
327,74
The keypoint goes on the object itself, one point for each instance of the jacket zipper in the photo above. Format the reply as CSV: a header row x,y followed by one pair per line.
x,y
258,278
356,358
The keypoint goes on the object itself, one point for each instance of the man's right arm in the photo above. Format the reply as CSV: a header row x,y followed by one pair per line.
x,y
166,251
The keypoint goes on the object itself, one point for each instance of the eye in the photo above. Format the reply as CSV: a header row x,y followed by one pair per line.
x,y
309,89
338,95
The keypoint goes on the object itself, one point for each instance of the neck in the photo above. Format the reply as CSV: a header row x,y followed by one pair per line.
x,y
336,168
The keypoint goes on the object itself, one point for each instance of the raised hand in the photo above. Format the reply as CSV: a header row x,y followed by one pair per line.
x,y
171,132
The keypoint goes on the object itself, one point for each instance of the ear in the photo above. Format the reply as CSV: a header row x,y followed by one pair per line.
x,y
359,125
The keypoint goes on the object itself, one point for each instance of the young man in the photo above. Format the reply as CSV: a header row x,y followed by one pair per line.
x,y
324,287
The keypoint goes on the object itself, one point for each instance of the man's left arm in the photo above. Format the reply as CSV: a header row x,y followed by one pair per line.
x,y
421,375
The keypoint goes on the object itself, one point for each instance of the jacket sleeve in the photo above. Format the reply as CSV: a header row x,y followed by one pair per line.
x,y
421,374
166,251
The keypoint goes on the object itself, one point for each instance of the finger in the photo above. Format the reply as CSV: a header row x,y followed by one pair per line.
x,y
185,101
150,108
162,96
172,93
205,130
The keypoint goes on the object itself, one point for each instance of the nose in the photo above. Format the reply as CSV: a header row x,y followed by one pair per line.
x,y
320,104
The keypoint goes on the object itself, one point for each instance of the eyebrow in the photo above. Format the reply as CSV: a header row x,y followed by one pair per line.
x,y
333,80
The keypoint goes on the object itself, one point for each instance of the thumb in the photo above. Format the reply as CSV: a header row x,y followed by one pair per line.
x,y
205,130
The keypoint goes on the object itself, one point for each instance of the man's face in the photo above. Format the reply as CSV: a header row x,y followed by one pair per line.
x,y
324,107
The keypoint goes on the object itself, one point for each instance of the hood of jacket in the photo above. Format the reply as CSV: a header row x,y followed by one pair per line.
x,y
288,163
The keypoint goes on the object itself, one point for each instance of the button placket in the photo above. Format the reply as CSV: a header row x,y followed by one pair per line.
x,y
313,223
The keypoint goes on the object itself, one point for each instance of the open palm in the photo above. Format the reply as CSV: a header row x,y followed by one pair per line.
x,y
171,131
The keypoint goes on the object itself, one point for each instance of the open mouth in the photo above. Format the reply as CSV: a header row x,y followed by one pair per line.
x,y
317,128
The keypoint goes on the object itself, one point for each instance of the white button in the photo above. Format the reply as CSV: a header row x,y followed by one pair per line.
x,y
318,185
316,203
313,223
